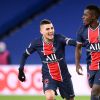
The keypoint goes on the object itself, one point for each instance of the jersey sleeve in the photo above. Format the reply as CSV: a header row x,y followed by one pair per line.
x,y
68,41
31,48
79,36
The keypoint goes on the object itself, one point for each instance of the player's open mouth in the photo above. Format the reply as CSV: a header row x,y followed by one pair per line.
x,y
51,35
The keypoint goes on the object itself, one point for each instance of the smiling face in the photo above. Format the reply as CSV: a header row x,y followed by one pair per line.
x,y
47,30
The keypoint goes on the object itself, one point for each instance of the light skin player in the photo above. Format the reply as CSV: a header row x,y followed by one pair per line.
x,y
51,49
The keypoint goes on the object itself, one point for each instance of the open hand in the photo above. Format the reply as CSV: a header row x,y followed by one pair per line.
x,y
79,70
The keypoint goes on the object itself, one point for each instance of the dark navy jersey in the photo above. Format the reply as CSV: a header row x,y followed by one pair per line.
x,y
91,39
52,56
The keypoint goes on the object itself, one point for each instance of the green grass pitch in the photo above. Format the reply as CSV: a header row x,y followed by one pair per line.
x,y
38,98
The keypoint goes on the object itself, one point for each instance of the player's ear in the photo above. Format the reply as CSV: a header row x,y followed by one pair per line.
x,y
41,32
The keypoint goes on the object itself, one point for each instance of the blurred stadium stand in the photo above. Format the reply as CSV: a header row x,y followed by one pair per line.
x,y
23,11
19,21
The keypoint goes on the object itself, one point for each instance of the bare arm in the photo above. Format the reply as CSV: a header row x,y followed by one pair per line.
x,y
77,58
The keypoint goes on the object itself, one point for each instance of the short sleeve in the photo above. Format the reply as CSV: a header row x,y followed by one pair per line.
x,y
79,36
67,41
64,39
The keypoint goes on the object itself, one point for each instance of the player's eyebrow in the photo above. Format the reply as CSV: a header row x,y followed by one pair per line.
x,y
49,28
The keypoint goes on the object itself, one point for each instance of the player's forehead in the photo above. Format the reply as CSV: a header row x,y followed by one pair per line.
x,y
44,26
86,11
89,12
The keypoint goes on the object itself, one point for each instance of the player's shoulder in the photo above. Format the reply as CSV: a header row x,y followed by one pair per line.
x,y
59,35
36,41
60,38
82,28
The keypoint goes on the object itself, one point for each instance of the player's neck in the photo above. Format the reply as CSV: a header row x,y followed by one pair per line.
x,y
47,40
94,25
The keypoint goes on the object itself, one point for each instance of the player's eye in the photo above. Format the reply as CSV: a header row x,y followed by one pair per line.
x,y
47,28
52,27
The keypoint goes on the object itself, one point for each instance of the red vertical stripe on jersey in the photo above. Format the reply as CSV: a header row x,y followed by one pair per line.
x,y
54,68
55,71
47,48
95,56
93,35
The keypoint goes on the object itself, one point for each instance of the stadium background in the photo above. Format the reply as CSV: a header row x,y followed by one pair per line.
x,y
65,15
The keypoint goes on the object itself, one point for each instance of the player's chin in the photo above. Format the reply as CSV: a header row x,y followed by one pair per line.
x,y
51,38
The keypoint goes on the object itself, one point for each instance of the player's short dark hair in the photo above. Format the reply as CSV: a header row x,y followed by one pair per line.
x,y
45,21
95,9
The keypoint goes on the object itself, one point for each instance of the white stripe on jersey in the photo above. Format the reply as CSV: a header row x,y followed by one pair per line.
x,y
67,40
29,45
79,42
27,52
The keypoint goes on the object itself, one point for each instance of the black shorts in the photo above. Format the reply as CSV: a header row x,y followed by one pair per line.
x,y
93,77
65,88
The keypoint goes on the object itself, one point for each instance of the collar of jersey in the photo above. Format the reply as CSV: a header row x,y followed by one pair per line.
x,y
95,28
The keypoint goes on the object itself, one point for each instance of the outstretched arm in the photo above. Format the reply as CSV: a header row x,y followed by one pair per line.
x,y
77,58
71,42
21,75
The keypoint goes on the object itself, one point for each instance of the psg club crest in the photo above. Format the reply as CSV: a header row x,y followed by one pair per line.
x,y
46,81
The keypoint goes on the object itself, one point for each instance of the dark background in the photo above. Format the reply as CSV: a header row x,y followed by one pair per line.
x,y
66,17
